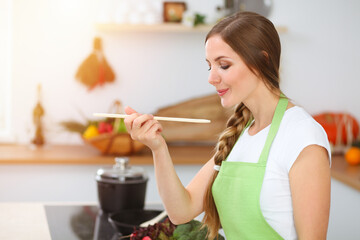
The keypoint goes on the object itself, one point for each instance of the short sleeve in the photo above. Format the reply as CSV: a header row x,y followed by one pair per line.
x,y
305,133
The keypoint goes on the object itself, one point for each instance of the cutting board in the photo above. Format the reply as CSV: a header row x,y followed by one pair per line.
x,y
206,107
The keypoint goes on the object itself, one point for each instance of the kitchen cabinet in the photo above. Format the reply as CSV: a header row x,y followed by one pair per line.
x,y
344,212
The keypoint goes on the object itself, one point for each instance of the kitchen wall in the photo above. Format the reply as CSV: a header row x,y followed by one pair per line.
x,y
51,38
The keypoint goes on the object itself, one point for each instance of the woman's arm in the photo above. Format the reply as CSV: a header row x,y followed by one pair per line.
x,y
310,189
182,204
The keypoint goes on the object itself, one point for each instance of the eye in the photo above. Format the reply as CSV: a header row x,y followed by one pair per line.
x,y
225,66
208,63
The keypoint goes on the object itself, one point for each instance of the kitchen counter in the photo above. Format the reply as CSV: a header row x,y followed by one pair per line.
x,y
23,221
57,221
83,154
345,173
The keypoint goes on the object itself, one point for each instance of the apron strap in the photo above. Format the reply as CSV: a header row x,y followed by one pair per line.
x,y
275,124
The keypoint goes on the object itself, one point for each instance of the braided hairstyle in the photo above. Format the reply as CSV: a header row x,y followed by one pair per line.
x,y
255,39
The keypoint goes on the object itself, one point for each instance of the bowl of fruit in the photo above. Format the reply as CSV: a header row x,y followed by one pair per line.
x,y
107,135
109,140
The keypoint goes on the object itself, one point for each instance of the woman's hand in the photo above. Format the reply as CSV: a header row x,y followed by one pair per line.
x,y
181,204
144,128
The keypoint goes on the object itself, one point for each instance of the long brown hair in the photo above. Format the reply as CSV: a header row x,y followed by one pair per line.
x,y
255,39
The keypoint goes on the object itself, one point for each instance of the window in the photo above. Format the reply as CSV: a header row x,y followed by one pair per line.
x,y
5,69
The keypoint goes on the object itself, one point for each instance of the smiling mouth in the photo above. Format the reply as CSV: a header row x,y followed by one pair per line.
x,y
222,92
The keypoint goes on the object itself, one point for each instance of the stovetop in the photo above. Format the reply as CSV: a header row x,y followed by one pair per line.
x,y
81,223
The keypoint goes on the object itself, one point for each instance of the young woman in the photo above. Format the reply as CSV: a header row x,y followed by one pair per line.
x,y
270,175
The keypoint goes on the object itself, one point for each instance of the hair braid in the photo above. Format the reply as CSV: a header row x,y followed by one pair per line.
x,y
227,140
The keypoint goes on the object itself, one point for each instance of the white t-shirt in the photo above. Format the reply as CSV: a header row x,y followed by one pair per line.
x,y
297,130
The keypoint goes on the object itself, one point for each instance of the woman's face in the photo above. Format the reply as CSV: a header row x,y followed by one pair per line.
x,y
233,80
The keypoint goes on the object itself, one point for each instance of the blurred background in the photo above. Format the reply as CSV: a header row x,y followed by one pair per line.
x,y
45,43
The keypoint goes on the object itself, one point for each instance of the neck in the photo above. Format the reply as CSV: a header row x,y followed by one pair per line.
x,y
262,104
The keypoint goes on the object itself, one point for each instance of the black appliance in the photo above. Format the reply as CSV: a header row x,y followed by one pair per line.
x,y
77,222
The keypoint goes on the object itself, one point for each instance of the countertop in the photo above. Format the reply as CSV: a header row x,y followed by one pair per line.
x,y
30,220
84,154
345,173
23,221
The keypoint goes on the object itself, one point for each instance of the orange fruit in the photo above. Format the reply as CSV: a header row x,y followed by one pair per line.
x,y
352,156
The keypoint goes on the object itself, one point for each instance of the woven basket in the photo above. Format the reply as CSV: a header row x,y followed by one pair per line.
x,y
120,144
114,143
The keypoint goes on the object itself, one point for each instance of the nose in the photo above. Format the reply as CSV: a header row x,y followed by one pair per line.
x,y
214,78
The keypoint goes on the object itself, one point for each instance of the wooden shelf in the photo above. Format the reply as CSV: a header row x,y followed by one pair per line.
x,y
164,27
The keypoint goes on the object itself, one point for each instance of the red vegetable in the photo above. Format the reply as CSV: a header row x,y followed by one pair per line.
x,y
338,126
105,127
161,230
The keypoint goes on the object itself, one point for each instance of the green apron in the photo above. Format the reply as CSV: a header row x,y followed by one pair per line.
x,y
236,191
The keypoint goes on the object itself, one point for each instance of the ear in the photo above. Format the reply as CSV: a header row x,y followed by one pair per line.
x,y
265,54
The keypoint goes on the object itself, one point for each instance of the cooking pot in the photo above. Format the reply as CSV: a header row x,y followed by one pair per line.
x,y
121,187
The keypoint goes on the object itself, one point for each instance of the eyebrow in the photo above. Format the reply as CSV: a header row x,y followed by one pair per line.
x,y
218,58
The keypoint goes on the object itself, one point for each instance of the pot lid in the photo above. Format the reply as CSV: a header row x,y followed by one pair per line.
x,y
122,172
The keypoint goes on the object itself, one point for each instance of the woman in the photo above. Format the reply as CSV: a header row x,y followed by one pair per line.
x,y
270,175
